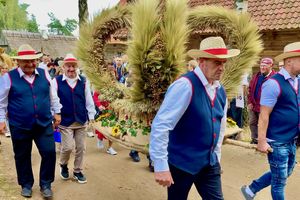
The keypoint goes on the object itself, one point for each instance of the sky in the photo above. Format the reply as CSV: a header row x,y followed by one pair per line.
x,y
63,9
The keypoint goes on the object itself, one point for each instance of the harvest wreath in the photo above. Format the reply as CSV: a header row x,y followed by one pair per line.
x,y
157,51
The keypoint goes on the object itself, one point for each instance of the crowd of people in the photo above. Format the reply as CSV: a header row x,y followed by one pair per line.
x,y
47,101
38,100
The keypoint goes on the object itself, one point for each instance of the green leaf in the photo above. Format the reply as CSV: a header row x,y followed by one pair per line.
x,y
112,123
133,132
104,124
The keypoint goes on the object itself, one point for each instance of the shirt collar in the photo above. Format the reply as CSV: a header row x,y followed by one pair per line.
x,y
66,78
23,74
201,76
285,74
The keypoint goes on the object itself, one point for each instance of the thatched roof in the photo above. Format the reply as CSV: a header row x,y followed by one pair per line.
x,y
54,45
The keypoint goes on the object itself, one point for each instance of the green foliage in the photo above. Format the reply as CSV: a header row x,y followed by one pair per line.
x,y
83,11
32,25
57,28
109,119
12,15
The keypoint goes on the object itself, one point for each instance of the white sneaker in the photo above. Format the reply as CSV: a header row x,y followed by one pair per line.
x,y
90,134
7,134
111,151
100,144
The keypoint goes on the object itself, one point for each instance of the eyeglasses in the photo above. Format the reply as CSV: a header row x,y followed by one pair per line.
x,y
264,66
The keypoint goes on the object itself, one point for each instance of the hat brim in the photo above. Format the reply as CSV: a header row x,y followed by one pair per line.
x,y
196,53
27,57
61,62
283,56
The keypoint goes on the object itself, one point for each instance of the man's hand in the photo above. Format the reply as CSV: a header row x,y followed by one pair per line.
x,y
164,178
263,147
57,119
2,127
101,108
250,106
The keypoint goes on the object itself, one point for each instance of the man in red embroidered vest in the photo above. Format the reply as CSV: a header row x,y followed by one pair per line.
x,y
27,94
256,82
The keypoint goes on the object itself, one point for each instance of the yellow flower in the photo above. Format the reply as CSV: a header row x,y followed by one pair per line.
x,y
116,131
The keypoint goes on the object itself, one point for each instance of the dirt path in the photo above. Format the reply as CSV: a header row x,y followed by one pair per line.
x,y
118,178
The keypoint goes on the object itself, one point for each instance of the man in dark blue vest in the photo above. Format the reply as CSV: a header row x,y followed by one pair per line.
x,y
279,124
78,108
29,97
187,132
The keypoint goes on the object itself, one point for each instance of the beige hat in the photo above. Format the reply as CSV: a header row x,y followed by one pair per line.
x,y
290,50
213,47
26,52
70,58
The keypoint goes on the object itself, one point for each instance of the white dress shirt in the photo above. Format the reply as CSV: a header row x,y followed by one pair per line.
x,y
5,84
90,106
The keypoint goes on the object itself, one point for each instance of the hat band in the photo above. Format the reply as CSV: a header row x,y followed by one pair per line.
x,y
218,51
295,50
24,53
70,59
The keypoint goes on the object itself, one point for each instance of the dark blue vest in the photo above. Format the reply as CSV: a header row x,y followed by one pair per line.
x,y
29,104
73,101
284,122
193,140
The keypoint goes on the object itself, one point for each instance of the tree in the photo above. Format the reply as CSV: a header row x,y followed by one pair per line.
x,y
83,11
12,15
32,25
57,28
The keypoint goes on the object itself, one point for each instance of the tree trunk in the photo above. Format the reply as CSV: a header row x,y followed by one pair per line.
x,y
83,11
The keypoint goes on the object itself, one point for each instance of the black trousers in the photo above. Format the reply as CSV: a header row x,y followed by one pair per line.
x,y
207,182
22,146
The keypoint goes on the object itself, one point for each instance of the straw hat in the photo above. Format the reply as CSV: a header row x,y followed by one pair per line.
x,y
290,50
26,52
213,47
70,58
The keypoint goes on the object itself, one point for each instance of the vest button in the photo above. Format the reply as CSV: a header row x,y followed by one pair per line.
x,y
214,119
36,116
215,135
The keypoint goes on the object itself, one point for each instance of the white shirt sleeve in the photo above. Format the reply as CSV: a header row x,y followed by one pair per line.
x,y
222,132
54,99
5,84
89,102
176,101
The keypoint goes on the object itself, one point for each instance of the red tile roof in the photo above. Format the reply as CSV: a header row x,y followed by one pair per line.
x,y
275,14
269,14
225,3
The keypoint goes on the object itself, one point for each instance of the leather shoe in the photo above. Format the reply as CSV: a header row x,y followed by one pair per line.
x,y
26,192
46,192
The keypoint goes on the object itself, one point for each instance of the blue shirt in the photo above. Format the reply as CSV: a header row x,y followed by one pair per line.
x,y
271,89
176,101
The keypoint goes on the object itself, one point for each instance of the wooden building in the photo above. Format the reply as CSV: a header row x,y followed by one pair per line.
x,y
278,22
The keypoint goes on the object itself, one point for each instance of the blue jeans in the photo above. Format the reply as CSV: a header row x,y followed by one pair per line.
x,y
282,161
